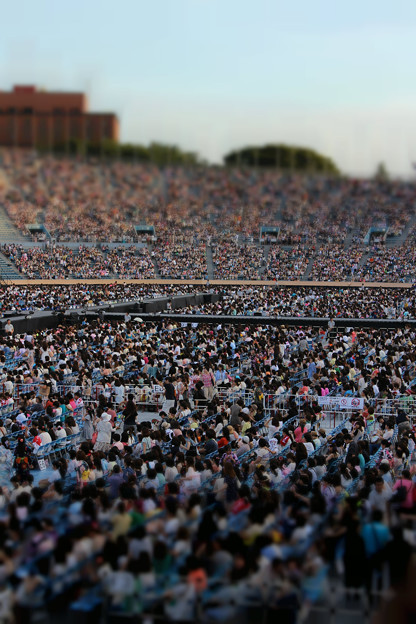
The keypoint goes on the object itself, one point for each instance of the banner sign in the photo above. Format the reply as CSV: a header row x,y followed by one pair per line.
x,y
341,402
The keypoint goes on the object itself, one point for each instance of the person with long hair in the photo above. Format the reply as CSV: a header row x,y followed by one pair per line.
x,y
88,427
231,483
22,459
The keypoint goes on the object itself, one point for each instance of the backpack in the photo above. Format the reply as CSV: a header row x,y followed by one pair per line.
x,y
258,397
400,494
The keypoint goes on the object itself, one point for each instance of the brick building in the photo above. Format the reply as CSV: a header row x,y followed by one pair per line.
x,y
35,118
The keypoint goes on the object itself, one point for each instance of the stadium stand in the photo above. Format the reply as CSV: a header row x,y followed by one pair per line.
x,y
173,468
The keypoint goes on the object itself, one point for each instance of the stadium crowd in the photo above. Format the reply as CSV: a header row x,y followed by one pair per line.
x,y
57,262
396,264
102,201
190,472
181,261
231,260
236,261
195,467
283,264
334,263
129,263
275,301
308,301
19,298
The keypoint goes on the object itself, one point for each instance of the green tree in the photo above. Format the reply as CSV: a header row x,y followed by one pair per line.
x,y
282,156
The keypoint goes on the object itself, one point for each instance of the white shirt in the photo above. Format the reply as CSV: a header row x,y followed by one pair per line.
x,y
309,447
45,438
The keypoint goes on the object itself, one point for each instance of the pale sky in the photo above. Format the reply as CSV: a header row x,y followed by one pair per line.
x,y
214,75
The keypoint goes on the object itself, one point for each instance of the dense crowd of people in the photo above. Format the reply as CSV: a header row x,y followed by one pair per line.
x,y
286,264
183,471
19,298
334,263
54,262
199,462
177,260
103,201
377,263
58,262
237,261
130,263
275,301
231,260
397,264
317,301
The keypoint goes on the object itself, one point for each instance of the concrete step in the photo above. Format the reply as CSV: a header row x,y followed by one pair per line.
x,y
8,270
210,262
349,237
397,241
363,260
8,231
308,270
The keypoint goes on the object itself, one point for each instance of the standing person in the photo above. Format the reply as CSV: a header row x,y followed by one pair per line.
x,y
403,492
376,536
130,414
311,368
8,328
21,459
118,392
208,380
221,377
170,397
88,428
230,482
354,555
104,430
87,385
200,401
45,388
380,496
258,397
235,414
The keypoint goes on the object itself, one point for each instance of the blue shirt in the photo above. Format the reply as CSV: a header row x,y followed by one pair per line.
x,y
311,370
375,536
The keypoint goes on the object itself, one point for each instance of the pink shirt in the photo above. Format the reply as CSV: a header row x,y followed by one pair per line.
x,y
206,380
300,432
408,503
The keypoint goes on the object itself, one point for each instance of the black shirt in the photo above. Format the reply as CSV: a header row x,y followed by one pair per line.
x,y
169,391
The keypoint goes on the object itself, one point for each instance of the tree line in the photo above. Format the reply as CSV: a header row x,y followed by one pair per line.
x,y
155,153
286,157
